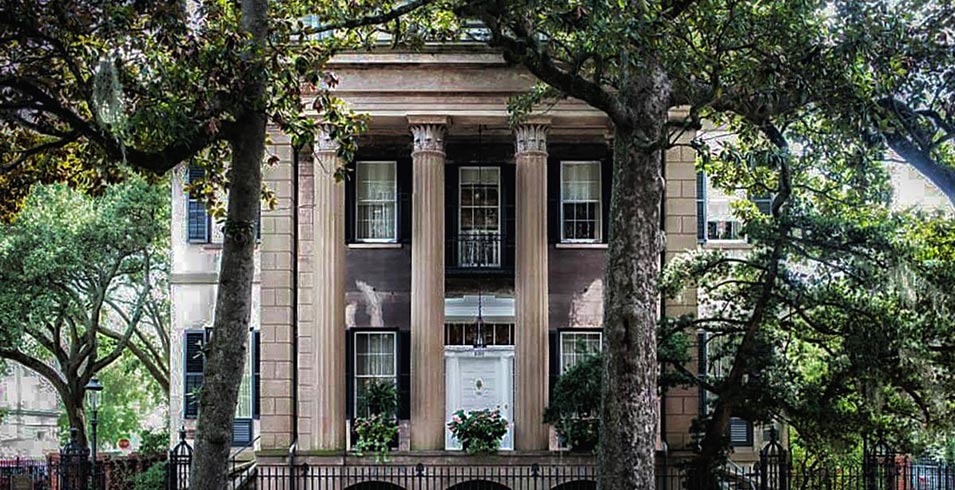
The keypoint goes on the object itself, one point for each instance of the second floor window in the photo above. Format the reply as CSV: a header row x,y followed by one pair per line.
x,y
715,219
376,196
479,222
580,206
199,222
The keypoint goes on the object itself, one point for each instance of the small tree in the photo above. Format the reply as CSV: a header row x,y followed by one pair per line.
x,y
76,285
575,403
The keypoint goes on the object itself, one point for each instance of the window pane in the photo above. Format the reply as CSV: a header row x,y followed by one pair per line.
x,y
244,406
575,346
376,200
374,354
580,194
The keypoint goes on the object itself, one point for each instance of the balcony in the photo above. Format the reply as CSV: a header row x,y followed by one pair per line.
x,y
479,253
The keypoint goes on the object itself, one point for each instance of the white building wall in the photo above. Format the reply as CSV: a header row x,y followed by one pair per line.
x,y
31,407
195,268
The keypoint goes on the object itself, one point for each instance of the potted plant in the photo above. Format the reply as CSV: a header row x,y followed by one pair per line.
x,y
575,403
479,431
377,427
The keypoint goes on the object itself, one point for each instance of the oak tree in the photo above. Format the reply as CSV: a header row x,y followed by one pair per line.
x,y
88,88
81,285
756,63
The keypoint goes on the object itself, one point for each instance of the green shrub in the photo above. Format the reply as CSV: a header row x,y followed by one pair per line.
x,y
152,479
375,434
575,404
153,442
377,428
379,397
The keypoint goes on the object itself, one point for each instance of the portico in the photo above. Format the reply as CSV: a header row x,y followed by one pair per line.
x,y
444,202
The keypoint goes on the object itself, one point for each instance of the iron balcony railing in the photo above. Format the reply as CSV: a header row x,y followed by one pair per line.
x,y
479,252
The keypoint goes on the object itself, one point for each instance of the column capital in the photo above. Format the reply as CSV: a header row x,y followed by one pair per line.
x,y
428,132
532,135
324,140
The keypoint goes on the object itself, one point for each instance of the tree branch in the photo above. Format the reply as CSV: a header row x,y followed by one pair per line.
x,y
38,367
372,19
525,49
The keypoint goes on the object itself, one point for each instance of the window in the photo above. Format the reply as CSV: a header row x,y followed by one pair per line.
x,y
576,346
376,197
580,207
375,361
714,213
740,431
199,223
466,333
243,409
194,363
479,217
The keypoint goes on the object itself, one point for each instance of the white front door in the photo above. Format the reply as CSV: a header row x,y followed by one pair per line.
x,y
477,382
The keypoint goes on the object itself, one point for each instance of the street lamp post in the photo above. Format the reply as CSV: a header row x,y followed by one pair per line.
x,y
93,389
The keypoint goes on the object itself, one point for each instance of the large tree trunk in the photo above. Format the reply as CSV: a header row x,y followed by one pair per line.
x,y
629,409
226,351
73,406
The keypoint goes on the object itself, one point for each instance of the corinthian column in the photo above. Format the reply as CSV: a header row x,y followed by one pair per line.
x,y
530,286
427,283
326,428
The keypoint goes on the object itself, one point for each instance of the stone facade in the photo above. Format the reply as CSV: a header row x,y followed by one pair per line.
x,y
425,108
434,116
30,409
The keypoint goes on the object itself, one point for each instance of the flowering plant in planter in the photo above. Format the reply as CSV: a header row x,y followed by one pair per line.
x,y
375,433
479,431
377,427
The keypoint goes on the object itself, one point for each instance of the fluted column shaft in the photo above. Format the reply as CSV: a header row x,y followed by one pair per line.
x,y
427,284
327,429
530,287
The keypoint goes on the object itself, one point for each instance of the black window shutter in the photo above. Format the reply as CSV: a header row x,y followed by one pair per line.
x,y
405,172
553,200
701,356
509,209
198,222
258,224
350,203
606,185
350,374
256,377
242,432
701,206
451,212
764,203
740,432
404,374
193,364
553,358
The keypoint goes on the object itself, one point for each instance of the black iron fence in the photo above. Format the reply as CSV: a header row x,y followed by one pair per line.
x,y
427,477
16,472
879,469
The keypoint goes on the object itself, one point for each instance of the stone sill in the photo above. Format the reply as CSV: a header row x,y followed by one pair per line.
x,y
592,246
373,245
727,244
